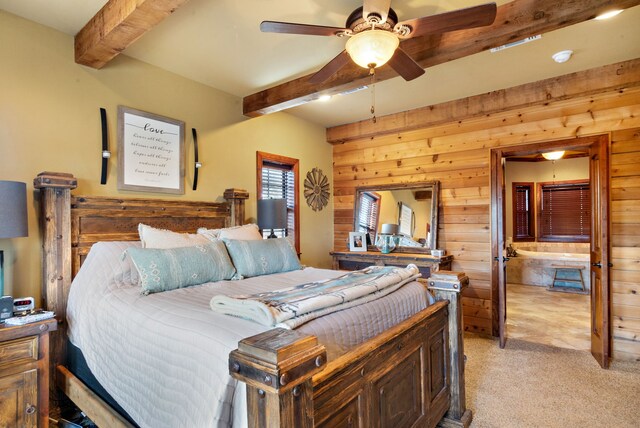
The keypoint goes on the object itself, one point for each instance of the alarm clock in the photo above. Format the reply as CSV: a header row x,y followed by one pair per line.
x,y
23,304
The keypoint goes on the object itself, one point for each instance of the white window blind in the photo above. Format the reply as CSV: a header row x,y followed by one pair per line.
x,y
278,183
368,215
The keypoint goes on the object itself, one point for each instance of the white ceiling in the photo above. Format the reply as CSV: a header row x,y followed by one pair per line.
x,y
218,43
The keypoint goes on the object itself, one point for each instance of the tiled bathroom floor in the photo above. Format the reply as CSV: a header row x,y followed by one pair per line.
x,y
551,318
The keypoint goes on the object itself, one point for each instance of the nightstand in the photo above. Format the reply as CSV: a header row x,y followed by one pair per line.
x,y
24,374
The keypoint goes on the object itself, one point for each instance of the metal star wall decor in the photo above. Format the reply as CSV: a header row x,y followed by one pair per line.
x,y
316,189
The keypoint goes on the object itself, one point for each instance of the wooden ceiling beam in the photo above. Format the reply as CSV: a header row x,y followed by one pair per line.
x,y
116,26
514,21
619,77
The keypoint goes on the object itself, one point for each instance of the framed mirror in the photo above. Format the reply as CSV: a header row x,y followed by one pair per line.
x,y
413,207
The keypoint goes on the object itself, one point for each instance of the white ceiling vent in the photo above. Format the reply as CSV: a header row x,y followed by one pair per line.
x,y
518,43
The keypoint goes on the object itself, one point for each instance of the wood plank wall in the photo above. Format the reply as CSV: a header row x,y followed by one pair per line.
x,y
625,243
457,153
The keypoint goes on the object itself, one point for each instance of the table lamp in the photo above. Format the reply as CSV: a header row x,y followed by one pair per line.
x,y
272,214
13,216
387,241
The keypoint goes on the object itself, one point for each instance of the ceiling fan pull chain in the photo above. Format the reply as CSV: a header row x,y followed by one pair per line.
x,y
373,94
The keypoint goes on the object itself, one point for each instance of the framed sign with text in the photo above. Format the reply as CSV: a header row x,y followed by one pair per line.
x,y
150,152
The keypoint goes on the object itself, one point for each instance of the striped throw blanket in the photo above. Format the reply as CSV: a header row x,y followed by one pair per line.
x,y
294,306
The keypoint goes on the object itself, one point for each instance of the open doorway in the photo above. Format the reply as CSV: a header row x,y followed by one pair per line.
x,y
566,274
547,221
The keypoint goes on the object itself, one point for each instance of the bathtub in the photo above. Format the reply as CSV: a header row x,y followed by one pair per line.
x,y
533,263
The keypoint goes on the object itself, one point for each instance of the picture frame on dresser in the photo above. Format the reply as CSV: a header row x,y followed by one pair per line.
x,y
357,241
150,152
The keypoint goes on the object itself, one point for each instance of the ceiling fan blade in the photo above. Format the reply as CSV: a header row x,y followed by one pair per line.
x,y
470,17
405,65
293,28
330,68
380,7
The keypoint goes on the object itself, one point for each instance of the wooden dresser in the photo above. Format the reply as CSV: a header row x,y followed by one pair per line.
x,y
24,374
354,260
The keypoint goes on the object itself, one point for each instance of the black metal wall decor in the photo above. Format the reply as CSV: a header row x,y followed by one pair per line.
x,y
197,164
316,189
106,154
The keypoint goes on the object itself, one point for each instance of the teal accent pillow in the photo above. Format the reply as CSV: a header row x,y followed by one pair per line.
x,y
168,269
262,257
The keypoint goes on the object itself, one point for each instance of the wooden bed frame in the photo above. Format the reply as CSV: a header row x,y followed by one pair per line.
x,y
410,375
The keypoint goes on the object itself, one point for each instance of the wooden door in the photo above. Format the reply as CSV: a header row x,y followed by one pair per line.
x,y
498,267
599,175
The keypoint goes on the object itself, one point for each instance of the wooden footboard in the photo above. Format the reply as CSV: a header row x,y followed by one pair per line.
x,y
411,375
397,379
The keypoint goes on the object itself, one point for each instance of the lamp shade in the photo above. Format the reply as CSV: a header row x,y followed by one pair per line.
x,y
389,229
372,48
13,209
272,213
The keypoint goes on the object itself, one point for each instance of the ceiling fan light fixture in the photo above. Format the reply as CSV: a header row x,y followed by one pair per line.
x,y
553,155
372,48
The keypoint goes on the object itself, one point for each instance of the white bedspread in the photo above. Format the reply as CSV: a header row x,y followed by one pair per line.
x,y
163,357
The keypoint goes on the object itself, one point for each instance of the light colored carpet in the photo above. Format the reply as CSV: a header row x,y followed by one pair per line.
x,y
533,385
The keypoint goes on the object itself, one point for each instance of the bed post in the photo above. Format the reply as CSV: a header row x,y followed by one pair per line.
x,y
448,286
55,204
277,367
236,198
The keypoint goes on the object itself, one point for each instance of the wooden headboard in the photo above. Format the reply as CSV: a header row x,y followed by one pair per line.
x,y
71,224
95,219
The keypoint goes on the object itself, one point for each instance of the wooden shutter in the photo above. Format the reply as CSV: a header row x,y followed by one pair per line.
x,y
368,214
278,183
523,220
565,211
278,177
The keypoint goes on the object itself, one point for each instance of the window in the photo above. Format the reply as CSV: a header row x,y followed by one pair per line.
x,y
564,211
369,213
523,219
278,178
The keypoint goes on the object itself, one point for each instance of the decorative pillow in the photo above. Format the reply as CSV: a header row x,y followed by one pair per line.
x,y
161,238
168,269
263,257
247,232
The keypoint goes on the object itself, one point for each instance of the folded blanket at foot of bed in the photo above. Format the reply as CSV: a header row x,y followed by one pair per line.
x,y
291,307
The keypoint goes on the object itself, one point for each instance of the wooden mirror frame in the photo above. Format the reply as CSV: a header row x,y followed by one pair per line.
x,y
434,185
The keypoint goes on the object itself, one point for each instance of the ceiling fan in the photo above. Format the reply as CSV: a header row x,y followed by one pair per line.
x,y
374,35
